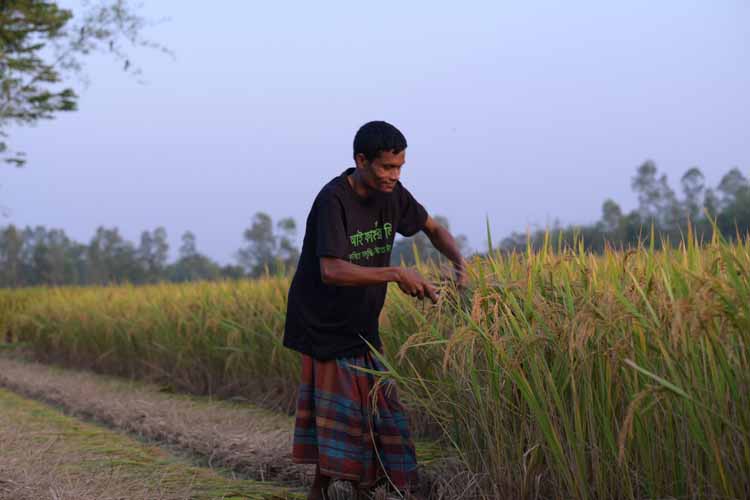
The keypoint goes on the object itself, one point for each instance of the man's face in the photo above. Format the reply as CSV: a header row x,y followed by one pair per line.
x,y
381,173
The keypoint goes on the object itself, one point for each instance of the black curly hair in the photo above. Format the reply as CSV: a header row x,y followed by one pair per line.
x,y
374,137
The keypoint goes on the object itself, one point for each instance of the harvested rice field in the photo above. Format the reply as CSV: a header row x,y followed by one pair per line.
x,y
221,440
48,455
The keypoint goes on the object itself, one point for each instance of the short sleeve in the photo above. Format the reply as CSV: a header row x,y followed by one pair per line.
x,y
413,215
331,234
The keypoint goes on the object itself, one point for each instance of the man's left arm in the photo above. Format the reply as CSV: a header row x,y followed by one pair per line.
x,y
442,239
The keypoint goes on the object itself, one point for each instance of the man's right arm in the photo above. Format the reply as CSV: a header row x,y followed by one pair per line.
x,y
334,271
339,272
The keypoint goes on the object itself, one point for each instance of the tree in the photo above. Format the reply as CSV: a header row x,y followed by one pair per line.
x,y
152,253
11,245
611,216
233,272
656,199
42,44
735,203
670,209
50,252
731,185
693,186
160,248
287,251
145,250
111,259
192,266
265,249
188,248
649,193
260,245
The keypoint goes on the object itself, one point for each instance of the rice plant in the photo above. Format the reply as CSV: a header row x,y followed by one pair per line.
x,y
557,374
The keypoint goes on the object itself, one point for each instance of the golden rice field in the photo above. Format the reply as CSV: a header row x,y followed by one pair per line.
x,y
557,374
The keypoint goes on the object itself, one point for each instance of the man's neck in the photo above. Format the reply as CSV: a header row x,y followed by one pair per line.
x,y
355,181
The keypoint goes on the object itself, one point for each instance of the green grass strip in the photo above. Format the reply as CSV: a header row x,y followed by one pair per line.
x,y
98,451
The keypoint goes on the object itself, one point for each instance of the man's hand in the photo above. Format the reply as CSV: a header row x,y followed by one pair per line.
x,y
458,275
462,276
446,245
412,283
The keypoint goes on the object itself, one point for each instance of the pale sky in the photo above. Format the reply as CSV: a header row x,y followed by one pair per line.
x,y
522,111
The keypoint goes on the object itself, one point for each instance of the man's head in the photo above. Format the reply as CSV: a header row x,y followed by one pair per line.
x,y
379,152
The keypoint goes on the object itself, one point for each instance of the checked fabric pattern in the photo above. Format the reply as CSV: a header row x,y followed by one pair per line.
x,y
337,428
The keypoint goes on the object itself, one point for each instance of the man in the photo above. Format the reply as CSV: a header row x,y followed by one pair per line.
x,y
334,302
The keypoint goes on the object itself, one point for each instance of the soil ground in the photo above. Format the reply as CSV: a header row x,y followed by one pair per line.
x,y
48,455
235,438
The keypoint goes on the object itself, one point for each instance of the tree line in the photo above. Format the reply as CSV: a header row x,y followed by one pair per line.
x,y
35,256
728,205
41,256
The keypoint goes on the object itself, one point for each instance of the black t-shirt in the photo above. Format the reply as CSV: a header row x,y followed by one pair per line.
x,y
326,321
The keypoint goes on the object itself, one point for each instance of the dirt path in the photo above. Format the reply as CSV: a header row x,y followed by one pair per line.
x,y
47,455
240,437
244,438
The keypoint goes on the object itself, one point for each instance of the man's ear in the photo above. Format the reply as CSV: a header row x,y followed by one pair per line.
x,y
361,160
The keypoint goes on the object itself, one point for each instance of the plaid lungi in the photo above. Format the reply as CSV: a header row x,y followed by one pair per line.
x,y
337,428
